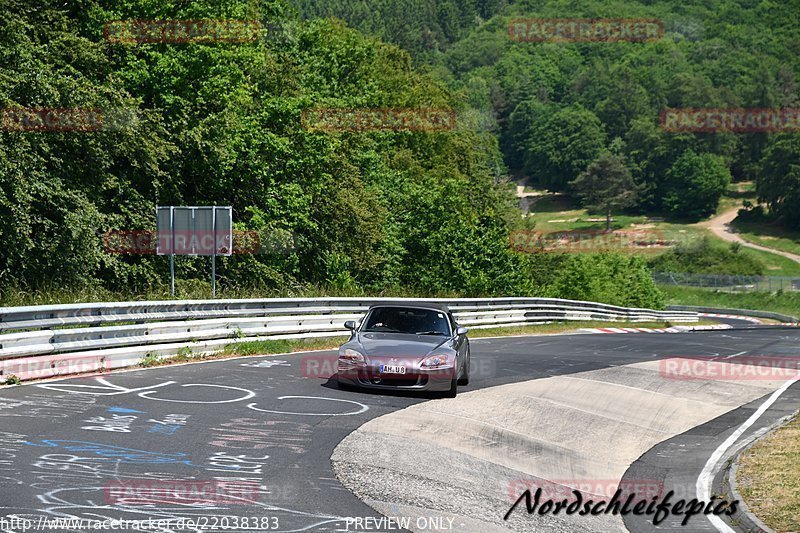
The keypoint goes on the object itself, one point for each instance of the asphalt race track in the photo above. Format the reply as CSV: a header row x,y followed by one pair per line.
x,y
103,446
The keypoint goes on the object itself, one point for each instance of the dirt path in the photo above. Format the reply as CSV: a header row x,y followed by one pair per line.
x,y
720,226
526,199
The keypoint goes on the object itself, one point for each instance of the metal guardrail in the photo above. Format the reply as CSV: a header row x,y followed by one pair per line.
x,y
54,340
728,311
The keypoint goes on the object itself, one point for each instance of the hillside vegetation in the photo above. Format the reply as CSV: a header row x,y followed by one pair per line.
x,y
219,123
406,212
557,106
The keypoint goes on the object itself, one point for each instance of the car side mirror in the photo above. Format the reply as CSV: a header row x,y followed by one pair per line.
x,y
461,330
350,324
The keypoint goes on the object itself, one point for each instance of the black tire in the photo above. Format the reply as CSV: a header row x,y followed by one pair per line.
x,y
453,389
464,381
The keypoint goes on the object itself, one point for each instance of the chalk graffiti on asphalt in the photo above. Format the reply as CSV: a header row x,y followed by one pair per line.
x,y
115,453
258,434
121,423
265,364
45,406
107,388
362,407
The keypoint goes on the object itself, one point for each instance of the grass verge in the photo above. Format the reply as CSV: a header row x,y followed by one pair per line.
x,y
767,478
786,303
265,347
193,290
268,347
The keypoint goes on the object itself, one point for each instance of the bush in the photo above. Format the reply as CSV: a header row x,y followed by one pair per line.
x,y
150,360
471,261
706,257
610,278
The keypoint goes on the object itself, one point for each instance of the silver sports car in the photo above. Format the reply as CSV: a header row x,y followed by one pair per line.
x,y
405,347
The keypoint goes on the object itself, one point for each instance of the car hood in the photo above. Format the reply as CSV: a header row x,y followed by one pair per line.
x,y
399,344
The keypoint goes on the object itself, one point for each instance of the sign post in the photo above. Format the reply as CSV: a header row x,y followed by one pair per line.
x,y
171,255
197,230
214,256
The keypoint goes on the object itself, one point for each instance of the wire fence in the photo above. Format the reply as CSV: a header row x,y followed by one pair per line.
x,y
731,283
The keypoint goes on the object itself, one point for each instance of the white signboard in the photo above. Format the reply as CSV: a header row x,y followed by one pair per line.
x,y
206,230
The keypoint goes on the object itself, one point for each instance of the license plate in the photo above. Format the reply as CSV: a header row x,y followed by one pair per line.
x,y
393,369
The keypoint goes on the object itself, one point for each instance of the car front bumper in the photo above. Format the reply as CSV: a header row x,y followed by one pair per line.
x,y
437,379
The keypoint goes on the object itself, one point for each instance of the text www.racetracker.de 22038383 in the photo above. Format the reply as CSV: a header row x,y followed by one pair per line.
x,y
20,523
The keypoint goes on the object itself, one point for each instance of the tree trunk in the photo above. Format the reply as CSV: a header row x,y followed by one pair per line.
x,y
608,219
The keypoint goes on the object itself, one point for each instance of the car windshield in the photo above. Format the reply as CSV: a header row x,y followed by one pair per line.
x,y
407,320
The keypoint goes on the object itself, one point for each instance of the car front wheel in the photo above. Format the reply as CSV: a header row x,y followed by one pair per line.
x,y
464,380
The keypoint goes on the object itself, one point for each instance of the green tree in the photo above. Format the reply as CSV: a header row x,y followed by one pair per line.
x,y
607,185
695,185
221,123
562,145
779,182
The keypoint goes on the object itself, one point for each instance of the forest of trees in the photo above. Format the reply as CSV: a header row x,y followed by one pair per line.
x,y
220,123
557,106
424,28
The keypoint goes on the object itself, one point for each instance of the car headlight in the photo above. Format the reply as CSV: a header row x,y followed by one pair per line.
x,y
435,361
352,357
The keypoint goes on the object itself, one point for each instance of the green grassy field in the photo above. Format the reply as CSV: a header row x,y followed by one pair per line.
x,y
556,213
776,265
786,303
769,235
